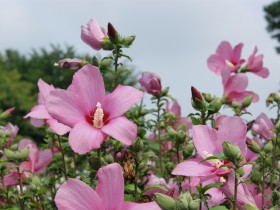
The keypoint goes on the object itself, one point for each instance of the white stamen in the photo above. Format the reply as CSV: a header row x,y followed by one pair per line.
x,y
214,162
98,116
229,64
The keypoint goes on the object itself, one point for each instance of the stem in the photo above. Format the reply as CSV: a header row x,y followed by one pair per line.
x,y
116,58
263,181
159,136
274,161
63,158
235,192
136,179
178,155
200,196
21,202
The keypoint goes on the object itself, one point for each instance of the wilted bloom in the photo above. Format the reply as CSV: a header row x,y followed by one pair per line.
x,y
36,162
255,65
92,115
93,35
108,194
71,63
264,127
151,83
226,56
235,86
39,115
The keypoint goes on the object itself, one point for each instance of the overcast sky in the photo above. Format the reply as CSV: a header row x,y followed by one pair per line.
x,y
173,38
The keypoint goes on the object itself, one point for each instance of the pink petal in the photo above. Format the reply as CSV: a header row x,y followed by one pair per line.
x,y
65,107
121,100
141,206
44,90
110,186
217,197
216,63
33,151
88,84
121,129
38,112
237,53
75,194
44,159
36,122
239,96
205,140
175,108
84,137
238,83
193,167
57,127
225,50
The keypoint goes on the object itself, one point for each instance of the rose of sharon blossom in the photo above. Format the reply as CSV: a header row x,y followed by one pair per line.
x,y
108,195
71,63
92,115
255,65
226,56
37,161
151,83
93,34
235,86
39,114
264,127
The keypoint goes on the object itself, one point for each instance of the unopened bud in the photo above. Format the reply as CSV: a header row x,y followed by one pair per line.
x,y
215,106
7,113
207,96
255,176
240,171
24,153
181,136
182,126
234,104
188,150
247,101
253,146
165,202
137,146
105,63
71,63
109,158
10,155
95,61
107,45
14,147
182,202
164,92
197,99
193,205
129,40
268,147
171,132
232,152
112,33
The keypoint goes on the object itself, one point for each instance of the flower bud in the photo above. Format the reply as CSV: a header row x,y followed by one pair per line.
x,y
232,152
193,205
10,155
151,83
182,202
14,147
24,153
197,99
171,132
95,61
105,63
255,176
188,150
107,45
35,183
165,202
112,33
234,104
207,96
128,40
7,113
137,146
247,101
215,105
165,91
253,146
182,126
181,136
240,171
71,63
268,147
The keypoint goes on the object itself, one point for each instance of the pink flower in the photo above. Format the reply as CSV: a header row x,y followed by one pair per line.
x,y
92,115
226,56
264,127
151,83
71,63
235,86
39,114
10,131
93,34
255,65
108,194
37,162
208,142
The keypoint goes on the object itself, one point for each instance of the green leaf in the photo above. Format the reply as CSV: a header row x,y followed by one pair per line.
x,y
156,186
209,186
149,154
219,208
195,121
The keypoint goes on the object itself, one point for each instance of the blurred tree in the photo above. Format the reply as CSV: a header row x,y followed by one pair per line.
x,y
19,75
272,16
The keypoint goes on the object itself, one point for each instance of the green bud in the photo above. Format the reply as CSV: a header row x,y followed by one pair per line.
x,y
24,153
256,176
105,63
10,155
181,136
240,171
188,150
193,205
247,101
162,124
137,145
215,106
109,158
182,126
165,202
182,203
94,162
107,45
128,40
253,146
232,152
268,162
14,147
95,61
171,132
207,96
164,92
268,147
234,104
7,113
35,183
170,115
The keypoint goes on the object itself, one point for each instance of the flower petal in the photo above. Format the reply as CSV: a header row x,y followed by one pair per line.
x,y
237,83
57,127
141,206
75,194
65,107
88,84
121,100
44,90
83,138
38,112
44,159
110,186
121,129
192,167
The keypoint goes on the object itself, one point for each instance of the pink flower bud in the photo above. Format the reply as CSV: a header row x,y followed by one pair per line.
x,y
151,83
71,63
196,94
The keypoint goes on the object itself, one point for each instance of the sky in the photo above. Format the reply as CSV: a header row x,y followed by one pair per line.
x,y
174,38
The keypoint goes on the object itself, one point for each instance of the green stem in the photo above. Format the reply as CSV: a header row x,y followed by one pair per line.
x,y
63,158
159,135
21,202
135,180
116,58
235,192
263,180
274,161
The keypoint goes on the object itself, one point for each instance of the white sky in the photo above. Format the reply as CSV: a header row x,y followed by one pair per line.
x,y
173,38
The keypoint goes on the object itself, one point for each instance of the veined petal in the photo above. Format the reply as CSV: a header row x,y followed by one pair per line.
x,y
141,206
88,85
110,186
83,138
193,167
121,100
121,129
75,194
205,140
57,127
65,107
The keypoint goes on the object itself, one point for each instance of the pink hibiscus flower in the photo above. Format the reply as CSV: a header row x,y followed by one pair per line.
x,y
226,56
39,114
92,115
235,86
264,127
10,131
151,83
108,195
255,65
93,34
